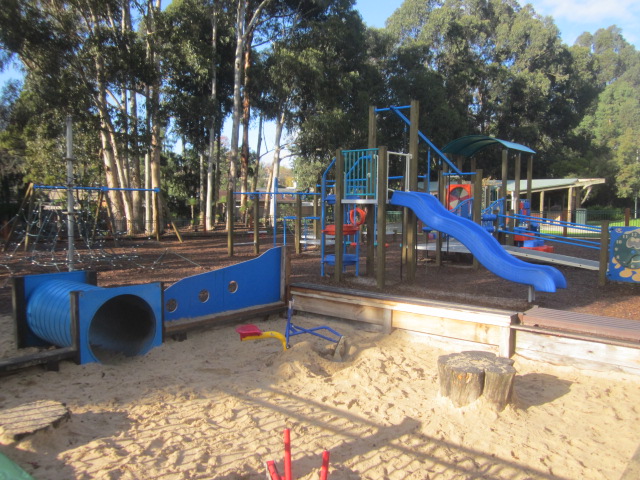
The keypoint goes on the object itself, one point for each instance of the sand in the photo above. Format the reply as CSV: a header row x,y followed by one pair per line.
x,y
212,407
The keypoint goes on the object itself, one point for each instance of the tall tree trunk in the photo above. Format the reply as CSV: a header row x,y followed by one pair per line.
x,y
217,170
235,117
136,181
243,28
268,200
156,140
256,170
211,183
202,191
148,195
276,163
110,167
133,156
246,116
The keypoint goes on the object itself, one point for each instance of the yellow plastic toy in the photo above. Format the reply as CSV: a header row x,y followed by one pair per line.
x,y
252,332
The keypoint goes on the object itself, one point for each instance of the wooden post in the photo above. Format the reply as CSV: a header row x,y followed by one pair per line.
x,y
516,189
477,207
604,253
530,180
443,200
316,214
339,215
298,225
505,177
370,223
412,183
97,217
510,226
382,217
627,216
256,225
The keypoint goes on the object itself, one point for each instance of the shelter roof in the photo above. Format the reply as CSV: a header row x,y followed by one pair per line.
x,y
537,185
548,184
471,144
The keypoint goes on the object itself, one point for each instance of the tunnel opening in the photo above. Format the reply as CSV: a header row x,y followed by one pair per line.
x,y
124,325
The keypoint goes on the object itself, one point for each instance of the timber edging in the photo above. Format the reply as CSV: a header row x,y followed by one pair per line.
x,y
597,343
478,325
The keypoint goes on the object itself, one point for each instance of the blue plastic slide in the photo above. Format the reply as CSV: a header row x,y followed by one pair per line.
x,y
480,243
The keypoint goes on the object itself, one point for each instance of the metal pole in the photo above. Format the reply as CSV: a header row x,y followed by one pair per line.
x,y
70,202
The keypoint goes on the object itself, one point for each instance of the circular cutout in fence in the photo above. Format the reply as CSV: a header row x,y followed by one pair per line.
x,y
172,305
233,286
203,296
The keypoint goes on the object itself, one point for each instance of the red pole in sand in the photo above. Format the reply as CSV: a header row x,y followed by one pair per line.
x,y
273,470
324,471
287,455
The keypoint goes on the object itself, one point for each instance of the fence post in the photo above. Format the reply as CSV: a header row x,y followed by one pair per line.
x,y
627,216
604,253
477,207
509,240
381,217
256,224
298,224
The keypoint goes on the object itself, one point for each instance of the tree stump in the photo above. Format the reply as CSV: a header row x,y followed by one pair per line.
x,y
466,376
17,422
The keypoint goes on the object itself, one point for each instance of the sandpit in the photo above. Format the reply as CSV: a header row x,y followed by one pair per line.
x,y
212,407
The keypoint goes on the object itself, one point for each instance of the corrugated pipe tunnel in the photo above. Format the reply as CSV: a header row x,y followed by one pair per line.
x,y
108,322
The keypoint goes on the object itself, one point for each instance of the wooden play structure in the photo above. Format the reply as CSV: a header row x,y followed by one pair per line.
x,y
361,181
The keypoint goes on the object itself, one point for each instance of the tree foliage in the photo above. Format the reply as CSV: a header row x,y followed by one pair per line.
x,y
133,76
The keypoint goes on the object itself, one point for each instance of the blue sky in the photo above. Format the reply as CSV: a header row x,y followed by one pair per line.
x,y
572,17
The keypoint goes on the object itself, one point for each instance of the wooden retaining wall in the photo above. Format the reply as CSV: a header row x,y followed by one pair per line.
x,y
449,320
598,343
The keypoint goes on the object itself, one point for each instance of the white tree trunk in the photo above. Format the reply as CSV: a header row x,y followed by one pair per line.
x,y
276,165
211,184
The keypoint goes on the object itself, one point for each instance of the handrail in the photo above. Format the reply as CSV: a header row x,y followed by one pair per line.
x,y
424,138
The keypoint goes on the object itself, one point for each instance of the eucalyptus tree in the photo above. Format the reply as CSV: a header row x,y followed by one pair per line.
x,y
503,68
84,58
319,82
197,65
11,148
612,126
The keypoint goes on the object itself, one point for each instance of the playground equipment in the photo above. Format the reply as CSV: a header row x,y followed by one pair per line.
x,y
485,248
362,177
253,332
68,310
43,221
355,188
624,254
272,469
301,230
91,324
